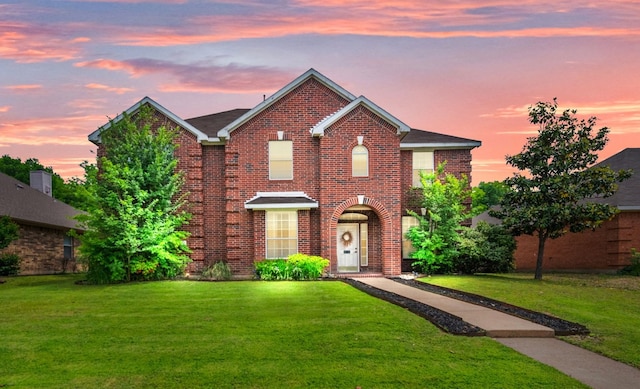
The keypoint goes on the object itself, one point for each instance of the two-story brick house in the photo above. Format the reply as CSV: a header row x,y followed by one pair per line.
x,y
311,169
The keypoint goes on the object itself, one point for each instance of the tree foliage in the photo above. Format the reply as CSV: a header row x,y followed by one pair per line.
x,y
9,231
72,191
488,194
133,229
549,200
435,238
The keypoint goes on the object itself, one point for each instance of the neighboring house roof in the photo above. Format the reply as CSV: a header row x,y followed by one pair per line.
x,y
627,197
30,206
420,138
318,129
281,200
94,137
211,124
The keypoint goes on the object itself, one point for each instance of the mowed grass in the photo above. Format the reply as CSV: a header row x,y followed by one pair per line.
x,y
609,305
186,334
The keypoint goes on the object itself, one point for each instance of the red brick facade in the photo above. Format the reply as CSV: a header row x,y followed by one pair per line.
x,y
224,172
41,250
608,248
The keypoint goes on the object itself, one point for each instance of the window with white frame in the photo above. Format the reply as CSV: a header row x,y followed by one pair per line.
x,y
360,161
422,162
281,160
281,233
407,246
68,247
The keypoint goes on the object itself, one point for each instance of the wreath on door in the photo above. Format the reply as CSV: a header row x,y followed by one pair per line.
x,y
346,239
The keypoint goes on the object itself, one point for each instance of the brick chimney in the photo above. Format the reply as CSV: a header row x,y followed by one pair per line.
x,y
41,181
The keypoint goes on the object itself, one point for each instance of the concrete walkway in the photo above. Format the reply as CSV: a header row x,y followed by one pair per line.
x,y
528,338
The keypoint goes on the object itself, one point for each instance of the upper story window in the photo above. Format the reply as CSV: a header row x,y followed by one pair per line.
x,y
360,161
281,160
422,162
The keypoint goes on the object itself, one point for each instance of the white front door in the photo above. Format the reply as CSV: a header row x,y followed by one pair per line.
x,y
348,245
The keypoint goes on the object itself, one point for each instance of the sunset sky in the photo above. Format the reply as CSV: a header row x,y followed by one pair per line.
x,y
461,67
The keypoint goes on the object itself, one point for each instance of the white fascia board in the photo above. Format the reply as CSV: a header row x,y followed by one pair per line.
x,y
629,208
287,206
440,146
226,131
318,129
94,137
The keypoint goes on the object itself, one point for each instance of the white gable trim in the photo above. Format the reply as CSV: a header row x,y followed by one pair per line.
x,y
311,73
441,145
318,129
94,137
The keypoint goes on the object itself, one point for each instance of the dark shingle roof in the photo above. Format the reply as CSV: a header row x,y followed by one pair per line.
x,y
628,194
211,124
30,206
421,138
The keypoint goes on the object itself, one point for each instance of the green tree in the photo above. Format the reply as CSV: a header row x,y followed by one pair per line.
x,y
9,231
72,192
133,229
488,194
552,198
444,199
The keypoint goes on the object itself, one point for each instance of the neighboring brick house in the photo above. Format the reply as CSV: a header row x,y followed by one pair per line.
x,y
311,169
608,248
44,244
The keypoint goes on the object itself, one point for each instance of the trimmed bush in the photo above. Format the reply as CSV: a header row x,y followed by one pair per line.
x,y
485,249
295,267
217,271
9,264
634,268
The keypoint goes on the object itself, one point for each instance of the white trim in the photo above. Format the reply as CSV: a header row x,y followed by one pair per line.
x,y
283,206
318,129
311,73
94,137
440,146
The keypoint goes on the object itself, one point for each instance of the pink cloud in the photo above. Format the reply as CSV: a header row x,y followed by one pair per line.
x,y
108,88
5,108
23,87
65,130
230,78
28,43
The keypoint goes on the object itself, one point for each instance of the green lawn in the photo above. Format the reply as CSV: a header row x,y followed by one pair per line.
x,y
608,305
187,334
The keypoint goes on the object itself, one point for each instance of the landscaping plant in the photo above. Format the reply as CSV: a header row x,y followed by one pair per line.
x,y
295,267
9,262
133,229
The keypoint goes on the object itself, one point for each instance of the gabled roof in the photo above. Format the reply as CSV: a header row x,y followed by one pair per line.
x,y
318,129
211,124
311,73
281,200
427,139
94,137
30,206
627,198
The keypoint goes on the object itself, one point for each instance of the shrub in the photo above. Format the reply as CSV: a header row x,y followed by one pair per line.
x,y
295,267
634,268
9,264
485,249
217,271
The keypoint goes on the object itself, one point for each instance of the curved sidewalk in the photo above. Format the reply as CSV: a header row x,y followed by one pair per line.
x,y
528,338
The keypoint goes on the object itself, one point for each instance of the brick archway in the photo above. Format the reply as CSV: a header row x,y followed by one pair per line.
x,y
390,264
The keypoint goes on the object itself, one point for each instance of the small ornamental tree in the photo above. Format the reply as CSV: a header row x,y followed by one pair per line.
x,y
9,231
552,198
435,238
133,227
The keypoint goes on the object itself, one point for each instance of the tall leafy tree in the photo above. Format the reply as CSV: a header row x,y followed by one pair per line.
x,y
551,198
134,229
488,194
444,200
